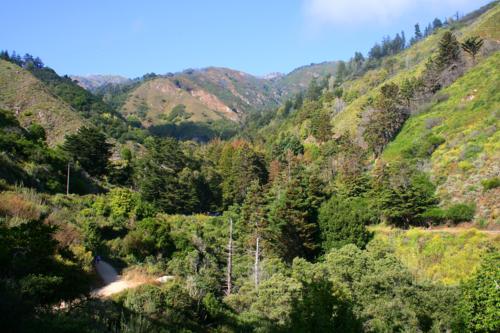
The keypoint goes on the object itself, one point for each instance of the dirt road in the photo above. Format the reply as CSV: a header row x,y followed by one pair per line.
x,y
114,282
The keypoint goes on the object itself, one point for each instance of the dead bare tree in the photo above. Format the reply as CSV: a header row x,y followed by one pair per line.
x,y
256,264
230,258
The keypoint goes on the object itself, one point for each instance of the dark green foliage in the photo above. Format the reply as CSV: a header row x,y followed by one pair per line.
x,y
449,50
170,305
385,121
37,133
456,213
402,194
436,24
480,304
149,238
164,179
343,221
383,294
341,73
409,89
321,128
314,90
178,113
89,148
31,279
461,212
293,214
254,218
418,33
239,166
287,143
174,182
472,46
201,132
319,310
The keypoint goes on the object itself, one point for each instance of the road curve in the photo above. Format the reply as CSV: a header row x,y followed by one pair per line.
x,y
114,283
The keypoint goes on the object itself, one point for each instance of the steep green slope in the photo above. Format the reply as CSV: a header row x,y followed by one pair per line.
x,y
31,102
466,117
410,62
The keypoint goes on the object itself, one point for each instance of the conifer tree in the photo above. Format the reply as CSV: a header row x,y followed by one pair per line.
x,y
472,45
418,33
449,50
293,216
89,147
385,121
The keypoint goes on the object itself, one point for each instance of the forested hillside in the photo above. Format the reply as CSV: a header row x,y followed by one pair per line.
x,y
347,196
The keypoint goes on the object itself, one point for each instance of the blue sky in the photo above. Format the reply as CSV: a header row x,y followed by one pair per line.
x,y
131,38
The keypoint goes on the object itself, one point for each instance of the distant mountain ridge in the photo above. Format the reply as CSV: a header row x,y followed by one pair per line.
x,y
216,93
92,82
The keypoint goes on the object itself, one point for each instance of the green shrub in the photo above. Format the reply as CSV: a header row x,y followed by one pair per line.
x,y
343,221
460,212
434,215
479,305
489,184
456,213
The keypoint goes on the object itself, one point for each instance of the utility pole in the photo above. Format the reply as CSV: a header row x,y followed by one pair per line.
x,y
256,265
67,180
230,258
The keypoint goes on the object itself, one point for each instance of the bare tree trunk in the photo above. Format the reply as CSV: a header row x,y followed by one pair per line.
x,y
256,265
230,258
289,158
67,180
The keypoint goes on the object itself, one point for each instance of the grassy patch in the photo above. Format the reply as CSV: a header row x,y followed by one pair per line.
x,y
444,256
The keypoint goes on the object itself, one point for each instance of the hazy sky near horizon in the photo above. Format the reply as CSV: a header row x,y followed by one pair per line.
x,y
131,38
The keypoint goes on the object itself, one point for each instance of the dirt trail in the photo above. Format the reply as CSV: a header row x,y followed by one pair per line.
x,y
116,283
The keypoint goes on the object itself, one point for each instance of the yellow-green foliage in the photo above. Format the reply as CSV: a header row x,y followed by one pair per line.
x,y
467,117
472,104
410,62
488,26
447,257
